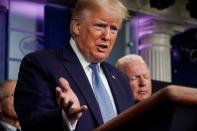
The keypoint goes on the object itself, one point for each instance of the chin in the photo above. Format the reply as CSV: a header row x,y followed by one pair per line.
x,y
99,59
101,55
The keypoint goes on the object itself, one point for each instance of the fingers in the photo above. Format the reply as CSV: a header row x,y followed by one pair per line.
x,y
63,98
69,101
67,98
58,91
64,84
65,95
76,113
78,110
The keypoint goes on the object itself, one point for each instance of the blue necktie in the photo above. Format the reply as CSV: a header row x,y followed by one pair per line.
x,y
102,97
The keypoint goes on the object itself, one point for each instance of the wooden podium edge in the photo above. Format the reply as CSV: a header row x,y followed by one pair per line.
x,y
178,95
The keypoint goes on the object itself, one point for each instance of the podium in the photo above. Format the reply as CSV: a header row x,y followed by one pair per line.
x,y
173,108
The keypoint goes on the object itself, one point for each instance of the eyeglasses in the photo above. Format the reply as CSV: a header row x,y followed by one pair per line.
x,y
137,77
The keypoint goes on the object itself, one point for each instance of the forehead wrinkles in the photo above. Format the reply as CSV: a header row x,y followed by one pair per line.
x,y
139,69
101,18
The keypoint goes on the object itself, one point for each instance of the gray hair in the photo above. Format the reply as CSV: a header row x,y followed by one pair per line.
x,y
127,59
3,91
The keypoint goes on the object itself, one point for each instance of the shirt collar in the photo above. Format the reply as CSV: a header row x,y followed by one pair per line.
x,y
7,126
85,64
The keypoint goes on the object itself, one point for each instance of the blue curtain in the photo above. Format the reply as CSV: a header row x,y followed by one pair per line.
x,y
3,42
57,26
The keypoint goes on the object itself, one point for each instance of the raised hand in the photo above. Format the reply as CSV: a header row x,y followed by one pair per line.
x,y
69,101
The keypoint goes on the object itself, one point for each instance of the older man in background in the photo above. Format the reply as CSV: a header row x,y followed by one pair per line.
x,y
8,118
139,75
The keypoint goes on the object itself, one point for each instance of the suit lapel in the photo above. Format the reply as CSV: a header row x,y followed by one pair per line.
x,y
112,79
77,73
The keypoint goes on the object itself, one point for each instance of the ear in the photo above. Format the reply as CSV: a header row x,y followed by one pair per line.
x,y
75,26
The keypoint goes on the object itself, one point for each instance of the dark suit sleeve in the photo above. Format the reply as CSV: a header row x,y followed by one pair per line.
x,y
35,100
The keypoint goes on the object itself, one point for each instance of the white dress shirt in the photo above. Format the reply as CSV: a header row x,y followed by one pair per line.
x,y
7,126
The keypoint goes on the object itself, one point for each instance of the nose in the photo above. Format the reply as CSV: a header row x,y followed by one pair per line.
x,y
142,81
107,34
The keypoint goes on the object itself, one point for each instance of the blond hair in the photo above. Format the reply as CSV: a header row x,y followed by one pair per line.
x,y
112,5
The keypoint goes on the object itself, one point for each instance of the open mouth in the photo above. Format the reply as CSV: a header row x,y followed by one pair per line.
x,y
102,48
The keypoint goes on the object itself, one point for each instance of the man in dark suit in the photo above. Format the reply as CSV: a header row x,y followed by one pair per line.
x,y
8,118
48,80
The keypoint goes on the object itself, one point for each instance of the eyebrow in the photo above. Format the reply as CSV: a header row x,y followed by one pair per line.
x,y
8,95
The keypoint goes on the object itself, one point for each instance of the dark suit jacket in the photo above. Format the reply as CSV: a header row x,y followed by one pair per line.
x,y
35,99
2,128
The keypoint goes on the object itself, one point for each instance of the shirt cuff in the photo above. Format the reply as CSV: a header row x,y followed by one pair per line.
x,y
70,126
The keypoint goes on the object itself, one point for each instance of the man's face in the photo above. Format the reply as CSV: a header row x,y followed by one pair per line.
x,y
7,103
96,35
140,81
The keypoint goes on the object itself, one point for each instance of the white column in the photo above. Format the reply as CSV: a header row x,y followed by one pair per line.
x,y
155,49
